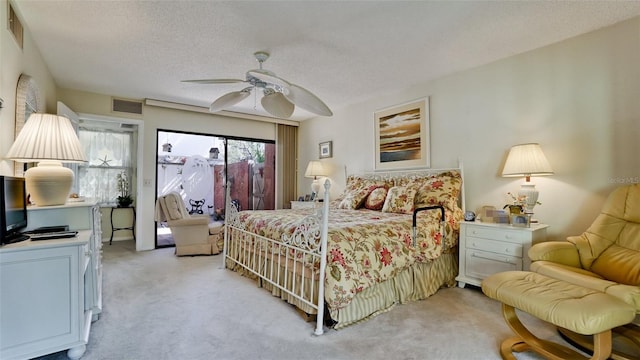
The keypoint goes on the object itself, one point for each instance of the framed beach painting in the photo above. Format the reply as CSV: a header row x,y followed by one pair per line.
x,y
402,136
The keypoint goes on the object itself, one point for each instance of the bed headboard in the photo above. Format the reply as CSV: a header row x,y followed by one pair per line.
x,y
414,173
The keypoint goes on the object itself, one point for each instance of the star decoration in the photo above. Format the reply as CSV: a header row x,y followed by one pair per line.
x,y
105,162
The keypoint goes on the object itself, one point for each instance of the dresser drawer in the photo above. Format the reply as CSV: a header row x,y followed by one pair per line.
x,y
498,234
480,264
499,247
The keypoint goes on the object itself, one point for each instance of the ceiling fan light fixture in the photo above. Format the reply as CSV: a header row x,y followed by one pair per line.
x,y
229,99
268,77
280,96
277,104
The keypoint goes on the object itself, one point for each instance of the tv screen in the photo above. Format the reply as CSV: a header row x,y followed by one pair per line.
x,y
13,208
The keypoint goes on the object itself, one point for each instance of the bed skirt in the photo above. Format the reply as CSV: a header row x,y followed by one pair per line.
x,y
414,283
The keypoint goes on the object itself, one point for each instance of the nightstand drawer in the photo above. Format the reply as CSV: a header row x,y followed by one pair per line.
x,y
498,234
499,247
480,264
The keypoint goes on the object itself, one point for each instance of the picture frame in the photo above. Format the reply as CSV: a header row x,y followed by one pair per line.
x,y
307,197
520,220
402,137
325,150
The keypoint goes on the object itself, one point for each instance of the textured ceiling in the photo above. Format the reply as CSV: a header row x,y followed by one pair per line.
x,y
343,51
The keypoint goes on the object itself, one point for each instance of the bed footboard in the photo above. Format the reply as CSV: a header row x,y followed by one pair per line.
x,y
294,264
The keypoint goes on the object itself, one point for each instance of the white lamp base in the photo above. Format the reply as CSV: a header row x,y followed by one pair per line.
x,y
528,189
49,183
315,187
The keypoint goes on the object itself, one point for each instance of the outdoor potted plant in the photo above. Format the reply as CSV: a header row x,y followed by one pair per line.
x,y
124,199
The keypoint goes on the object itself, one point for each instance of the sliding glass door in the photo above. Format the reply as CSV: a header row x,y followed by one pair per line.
x,y
197,166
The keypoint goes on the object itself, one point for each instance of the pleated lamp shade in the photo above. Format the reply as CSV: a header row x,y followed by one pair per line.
x,y
526,160
50,140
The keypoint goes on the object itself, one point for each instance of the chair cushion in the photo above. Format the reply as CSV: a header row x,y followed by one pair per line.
x,y
610,247
587,279
173,206
563,304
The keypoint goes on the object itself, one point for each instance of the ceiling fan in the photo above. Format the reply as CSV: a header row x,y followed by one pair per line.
x,y
280,96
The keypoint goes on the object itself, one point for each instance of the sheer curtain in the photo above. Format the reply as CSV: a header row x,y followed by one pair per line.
x,y
109,153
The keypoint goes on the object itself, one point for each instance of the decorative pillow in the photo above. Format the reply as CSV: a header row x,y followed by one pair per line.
x,y
400,200
353,199
357,190
442,189
375,200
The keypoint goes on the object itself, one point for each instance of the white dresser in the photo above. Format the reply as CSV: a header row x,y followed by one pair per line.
x,y
51,290
487,248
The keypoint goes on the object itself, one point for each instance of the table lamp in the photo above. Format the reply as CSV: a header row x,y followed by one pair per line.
x,y
527,160
50,140
314,170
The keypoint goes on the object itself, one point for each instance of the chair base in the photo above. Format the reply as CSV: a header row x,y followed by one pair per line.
x,y
625,343
525,340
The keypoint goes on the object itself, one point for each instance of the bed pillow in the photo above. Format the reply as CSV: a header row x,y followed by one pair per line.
x,y
375,200
400,199
442,189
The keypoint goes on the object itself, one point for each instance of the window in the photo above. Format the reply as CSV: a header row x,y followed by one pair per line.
x,y
109,152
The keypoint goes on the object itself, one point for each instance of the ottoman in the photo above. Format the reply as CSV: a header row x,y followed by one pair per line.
x,y
565,305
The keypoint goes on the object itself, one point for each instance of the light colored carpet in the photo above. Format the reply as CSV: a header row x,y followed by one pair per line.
x,y
159,306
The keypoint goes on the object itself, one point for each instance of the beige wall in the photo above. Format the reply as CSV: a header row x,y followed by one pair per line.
x,y
14,62
579,99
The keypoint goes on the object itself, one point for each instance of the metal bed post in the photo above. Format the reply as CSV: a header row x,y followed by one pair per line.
x,y
323,259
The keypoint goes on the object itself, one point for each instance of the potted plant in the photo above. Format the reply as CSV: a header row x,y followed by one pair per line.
x,y
517,204
124,199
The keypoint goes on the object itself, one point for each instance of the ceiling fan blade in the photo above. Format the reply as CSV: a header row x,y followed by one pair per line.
x,y
268,77
229,99
307,100
277,105
215,81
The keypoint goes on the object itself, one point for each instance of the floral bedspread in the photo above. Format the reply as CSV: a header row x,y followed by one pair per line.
x,y
365,247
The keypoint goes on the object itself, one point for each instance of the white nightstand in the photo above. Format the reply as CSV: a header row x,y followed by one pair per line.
x,y
297,205
487,248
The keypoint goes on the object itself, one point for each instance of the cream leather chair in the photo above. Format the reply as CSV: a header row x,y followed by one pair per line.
x,y
192,234
606,257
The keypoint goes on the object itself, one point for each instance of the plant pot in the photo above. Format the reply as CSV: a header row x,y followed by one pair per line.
x,y
124,202
515,209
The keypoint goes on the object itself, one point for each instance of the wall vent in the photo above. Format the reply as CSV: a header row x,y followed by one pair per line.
x,y
126,106
15,26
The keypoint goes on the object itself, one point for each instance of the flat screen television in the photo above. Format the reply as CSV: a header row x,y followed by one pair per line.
x,y
13,209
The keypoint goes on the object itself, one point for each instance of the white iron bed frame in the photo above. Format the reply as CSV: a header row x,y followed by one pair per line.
x,y
308,241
